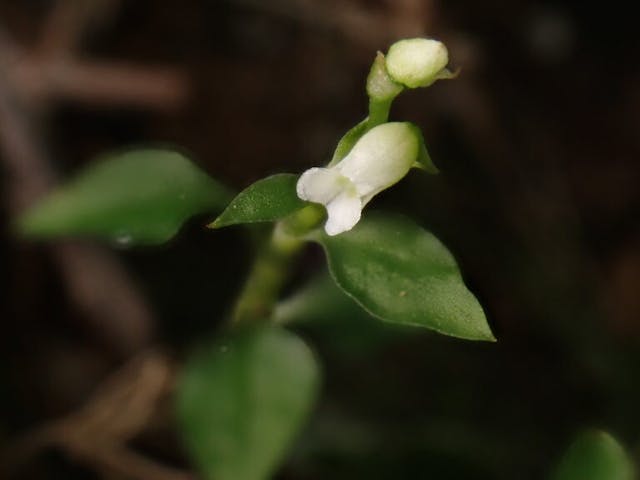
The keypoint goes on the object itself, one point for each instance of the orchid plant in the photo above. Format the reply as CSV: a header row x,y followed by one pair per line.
x,y
246,393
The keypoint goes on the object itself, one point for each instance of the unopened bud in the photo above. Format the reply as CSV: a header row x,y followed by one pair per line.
x,y
417,62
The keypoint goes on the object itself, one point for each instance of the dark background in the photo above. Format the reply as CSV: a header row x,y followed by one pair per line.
x,y
537,142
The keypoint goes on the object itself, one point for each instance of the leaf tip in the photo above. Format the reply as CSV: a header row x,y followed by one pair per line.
x,y
490,337
217,223
484,334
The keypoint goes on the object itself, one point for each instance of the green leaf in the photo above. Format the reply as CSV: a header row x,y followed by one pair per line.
x,y
595,455
136,197
267,200
349,139
402,274
242,401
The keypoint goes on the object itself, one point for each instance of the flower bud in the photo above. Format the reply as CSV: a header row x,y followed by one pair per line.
x,y
381,157
417,62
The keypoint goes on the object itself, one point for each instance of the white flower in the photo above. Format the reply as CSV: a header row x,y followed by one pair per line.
x,y
418,62
382,157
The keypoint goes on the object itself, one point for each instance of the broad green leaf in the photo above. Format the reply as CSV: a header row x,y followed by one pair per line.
x,y
348,140
267,200
595,455
136,197
242,401
402,274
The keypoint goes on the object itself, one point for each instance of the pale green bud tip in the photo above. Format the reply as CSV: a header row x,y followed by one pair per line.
x,y
382,157
380,86
417,62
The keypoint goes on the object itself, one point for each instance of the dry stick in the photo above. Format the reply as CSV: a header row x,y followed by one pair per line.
x,y
117,411
52,71
361,25
111,84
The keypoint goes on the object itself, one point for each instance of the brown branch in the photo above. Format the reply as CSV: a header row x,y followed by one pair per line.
x,y
120,409
361,25
100,287
103,83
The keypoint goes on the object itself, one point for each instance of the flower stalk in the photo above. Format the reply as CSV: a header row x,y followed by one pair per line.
x,y
272,266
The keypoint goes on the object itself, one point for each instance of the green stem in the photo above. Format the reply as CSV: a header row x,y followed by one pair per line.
x,y
382,90
378,112
272,266
268,274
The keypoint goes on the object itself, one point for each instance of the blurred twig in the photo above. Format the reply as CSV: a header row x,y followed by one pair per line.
x,y
54,69
110,84
96,434
359,23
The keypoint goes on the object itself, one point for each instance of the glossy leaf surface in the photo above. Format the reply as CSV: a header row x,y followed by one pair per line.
x,y
402,274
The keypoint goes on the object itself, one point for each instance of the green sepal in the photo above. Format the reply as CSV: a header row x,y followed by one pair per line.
x,y
380,86
348,140
424,161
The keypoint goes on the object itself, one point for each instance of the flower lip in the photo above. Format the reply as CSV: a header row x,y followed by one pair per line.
x,y
379,159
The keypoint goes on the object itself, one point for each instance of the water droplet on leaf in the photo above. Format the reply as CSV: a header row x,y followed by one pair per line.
x,y
123,240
